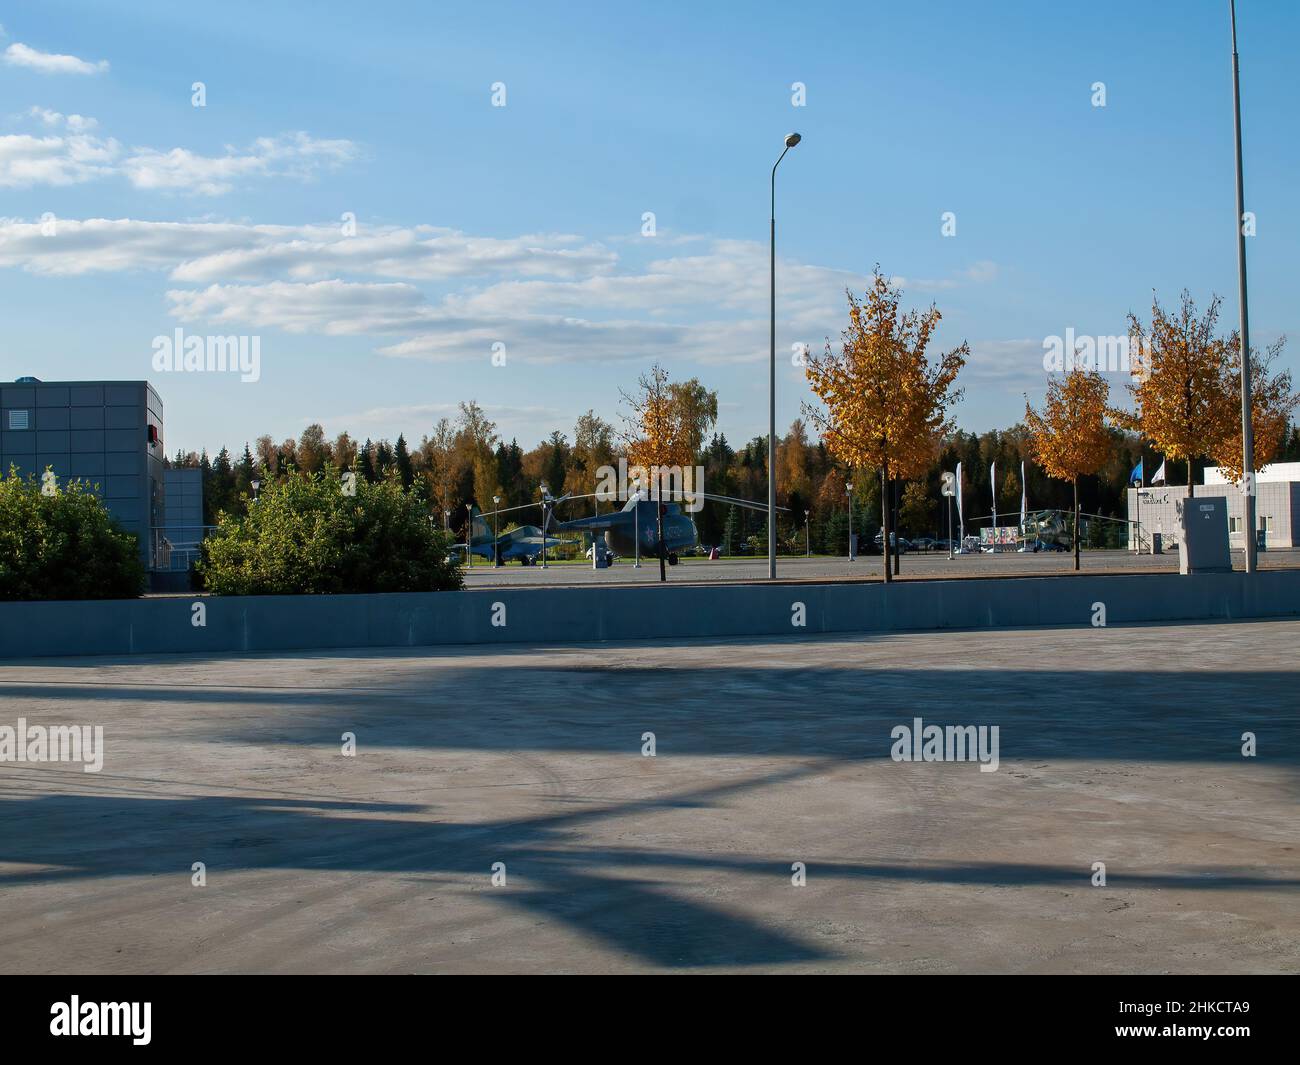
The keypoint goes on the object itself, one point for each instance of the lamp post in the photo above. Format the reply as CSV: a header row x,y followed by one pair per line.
x,y
790,141
636,522
1247,429
546,524
446,520
255,486
496,547
849,489
807,535
469,533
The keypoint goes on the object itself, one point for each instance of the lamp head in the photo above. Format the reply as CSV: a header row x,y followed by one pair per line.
x,y
792,139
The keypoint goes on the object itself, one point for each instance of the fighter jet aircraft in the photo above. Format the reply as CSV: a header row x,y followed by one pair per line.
x,y
523,545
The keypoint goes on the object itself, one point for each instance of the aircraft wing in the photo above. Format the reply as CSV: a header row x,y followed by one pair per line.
x,y
596,522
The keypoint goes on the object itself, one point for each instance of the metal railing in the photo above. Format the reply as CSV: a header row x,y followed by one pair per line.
x,y
175,548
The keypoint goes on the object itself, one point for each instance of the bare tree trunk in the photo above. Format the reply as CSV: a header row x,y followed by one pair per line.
x,y
1076,523
884,518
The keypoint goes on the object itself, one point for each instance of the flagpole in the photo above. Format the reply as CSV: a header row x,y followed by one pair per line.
x,y
1137,496
993,478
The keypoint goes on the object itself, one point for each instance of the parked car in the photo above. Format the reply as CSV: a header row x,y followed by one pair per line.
x,y
902,543
924,543
1049,545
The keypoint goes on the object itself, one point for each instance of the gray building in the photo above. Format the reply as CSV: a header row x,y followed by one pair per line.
x,y
1277,506
177,540
106,433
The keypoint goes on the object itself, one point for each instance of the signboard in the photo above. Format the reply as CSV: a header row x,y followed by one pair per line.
x,y
1002,536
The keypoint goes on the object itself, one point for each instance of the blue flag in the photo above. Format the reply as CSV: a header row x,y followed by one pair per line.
x,y
1136,476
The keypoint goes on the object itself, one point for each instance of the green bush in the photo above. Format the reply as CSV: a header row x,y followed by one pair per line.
x,y
64,545
305,535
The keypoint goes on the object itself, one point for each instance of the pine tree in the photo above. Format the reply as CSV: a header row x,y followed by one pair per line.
x,y
402,460
365,461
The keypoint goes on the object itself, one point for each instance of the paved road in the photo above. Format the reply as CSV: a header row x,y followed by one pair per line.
x,y
866,567
1116,745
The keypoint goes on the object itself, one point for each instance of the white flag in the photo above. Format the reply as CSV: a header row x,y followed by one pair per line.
x,y
1024,499
1159,478
961,521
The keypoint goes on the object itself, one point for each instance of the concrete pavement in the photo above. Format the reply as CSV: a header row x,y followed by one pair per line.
x,y
1117,745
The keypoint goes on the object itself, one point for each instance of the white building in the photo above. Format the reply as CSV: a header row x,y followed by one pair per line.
x,y
1277,506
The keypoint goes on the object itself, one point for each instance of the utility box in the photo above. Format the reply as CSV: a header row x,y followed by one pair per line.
x,y
1203,543
1157,543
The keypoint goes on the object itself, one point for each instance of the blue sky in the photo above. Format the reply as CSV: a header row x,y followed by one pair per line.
x,y
522,224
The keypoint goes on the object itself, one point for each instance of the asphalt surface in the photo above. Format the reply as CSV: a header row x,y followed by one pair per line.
x,y
913,566
1118,745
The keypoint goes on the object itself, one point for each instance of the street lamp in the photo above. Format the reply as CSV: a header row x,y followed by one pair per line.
x,y
496,547
807,534
546,502
469,533
849,489
636,522
790,141
1247,429
255,485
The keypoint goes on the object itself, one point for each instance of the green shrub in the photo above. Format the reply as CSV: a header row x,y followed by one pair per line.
x,y
64,545
304,535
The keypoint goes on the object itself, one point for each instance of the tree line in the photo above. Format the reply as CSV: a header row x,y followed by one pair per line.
x,y
882,424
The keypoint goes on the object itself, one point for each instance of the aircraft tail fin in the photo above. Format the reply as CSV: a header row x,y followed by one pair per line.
x,y
479,531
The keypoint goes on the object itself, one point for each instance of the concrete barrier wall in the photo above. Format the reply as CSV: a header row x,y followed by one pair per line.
x,y
583,615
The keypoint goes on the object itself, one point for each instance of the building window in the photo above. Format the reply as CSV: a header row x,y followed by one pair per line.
x,y
18,419
1266,522
1234,524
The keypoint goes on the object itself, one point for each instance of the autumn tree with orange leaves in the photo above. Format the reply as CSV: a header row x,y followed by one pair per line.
x,y
664,427
1069,439
1271,405
1181,387
886,405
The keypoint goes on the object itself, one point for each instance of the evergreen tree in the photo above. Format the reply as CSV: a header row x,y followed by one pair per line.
x,y
366,462
402,460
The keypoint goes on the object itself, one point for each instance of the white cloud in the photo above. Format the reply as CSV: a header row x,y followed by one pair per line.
x,y
20,55
200,252
548,298
27,161
418,253
331,308
56,160
74,123
338,308
297,155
